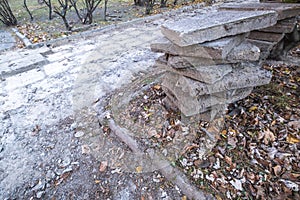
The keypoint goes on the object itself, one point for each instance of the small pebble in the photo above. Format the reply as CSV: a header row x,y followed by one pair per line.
x,y
39,194
79,134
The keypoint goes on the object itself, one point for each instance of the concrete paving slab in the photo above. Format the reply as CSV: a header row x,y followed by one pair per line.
x,y
208,74
23,79
215,25
284,10
7,41
217,49
21,63
192,106
239,78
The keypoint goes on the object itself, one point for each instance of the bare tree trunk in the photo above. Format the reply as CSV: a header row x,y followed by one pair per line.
x,y
6,15
74,4
149,6
62,12
105,9
86,16
49,5
28,11
163,3
140,2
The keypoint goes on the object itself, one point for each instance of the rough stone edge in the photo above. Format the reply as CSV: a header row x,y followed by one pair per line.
x,y
170,172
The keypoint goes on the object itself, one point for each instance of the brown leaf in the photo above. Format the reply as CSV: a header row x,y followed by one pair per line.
x,y
228,160
232,141
291,176
156,87
268,137
62,177
294,124
139,169
103,166
292,139
251,177
184,198
253,108
277,170
260,194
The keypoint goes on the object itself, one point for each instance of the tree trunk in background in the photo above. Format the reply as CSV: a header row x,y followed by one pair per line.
x,y
139,2
6,15
49,5
61,11
105,9
27,9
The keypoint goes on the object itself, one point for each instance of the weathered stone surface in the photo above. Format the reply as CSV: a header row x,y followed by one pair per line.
x,y
177,62
283,26
7,41
207,74
239,78
217,49
10,66
246,51
264,46
212,113
192,105
264,36
215,25
284,10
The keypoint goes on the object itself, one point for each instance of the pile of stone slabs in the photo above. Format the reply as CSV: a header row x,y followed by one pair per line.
x,y
274,41
209,61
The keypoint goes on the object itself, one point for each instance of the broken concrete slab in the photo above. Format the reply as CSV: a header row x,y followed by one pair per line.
x,y
246,51
215,25
284,10
217,49
206,74
239,78
264,46
7,41
283,26
212,112
264,36
198,104
11,66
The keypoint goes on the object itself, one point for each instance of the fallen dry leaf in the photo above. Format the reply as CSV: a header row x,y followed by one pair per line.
x,y
294,124
103,166
291,139
139,169
277,170
232,141
253,108
157,87
184,198
268,137
237,184
228,160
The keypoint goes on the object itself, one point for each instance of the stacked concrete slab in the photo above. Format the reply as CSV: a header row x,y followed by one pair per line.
x,y
277,40
210,60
